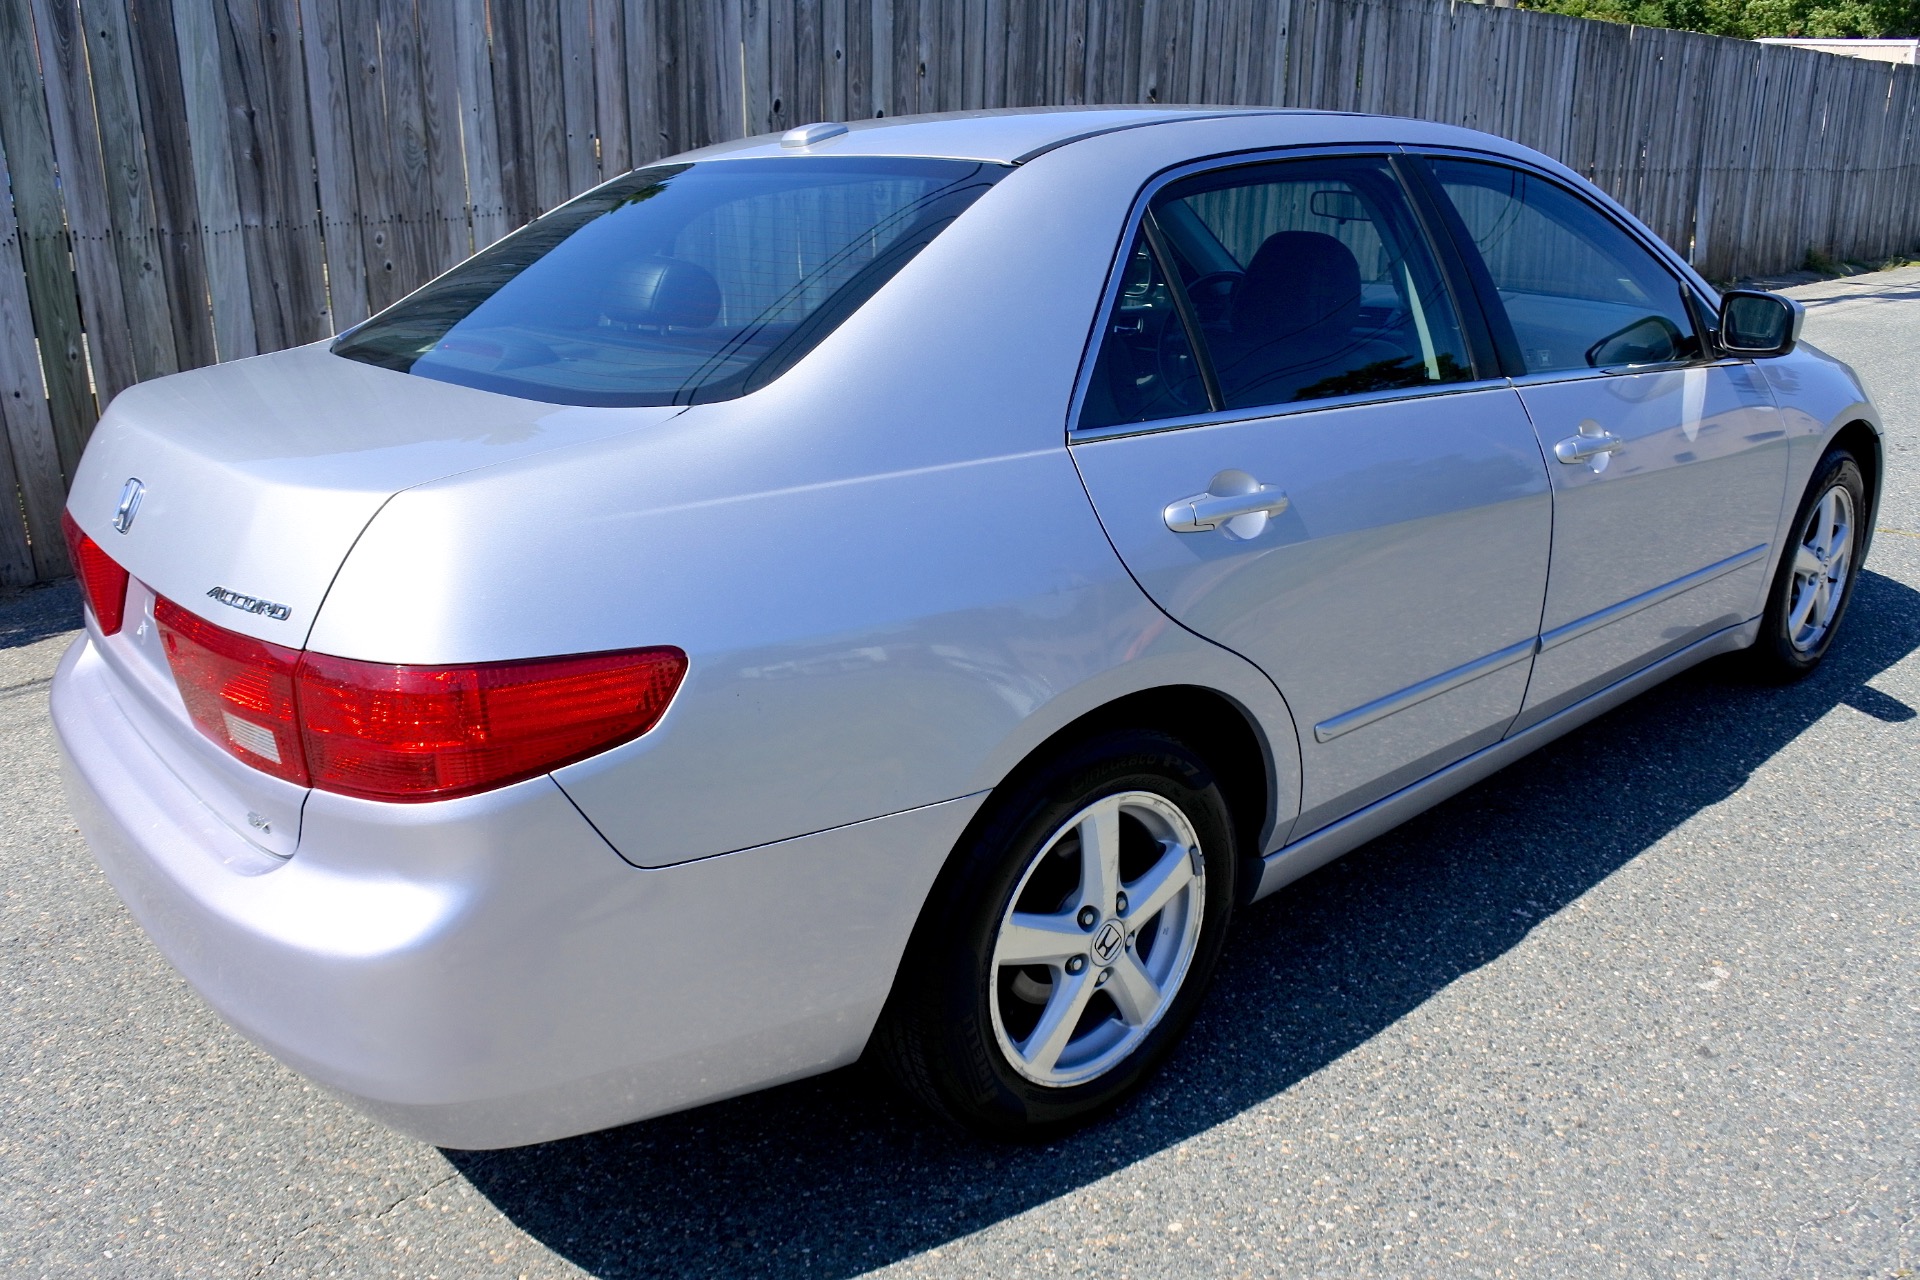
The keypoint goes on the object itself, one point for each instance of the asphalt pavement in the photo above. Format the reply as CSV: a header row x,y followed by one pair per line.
x,y
1645,1004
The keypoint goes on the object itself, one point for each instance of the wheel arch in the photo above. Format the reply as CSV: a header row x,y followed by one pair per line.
x,y
1217,726
1859,438
1214,724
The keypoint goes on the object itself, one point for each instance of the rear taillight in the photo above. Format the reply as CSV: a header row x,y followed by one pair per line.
x,y
104,581
387,732
238,690
425,733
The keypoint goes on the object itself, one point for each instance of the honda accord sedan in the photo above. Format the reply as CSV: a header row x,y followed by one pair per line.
x,y
897,589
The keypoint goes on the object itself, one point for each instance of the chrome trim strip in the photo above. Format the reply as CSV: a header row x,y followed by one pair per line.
x,y
1290,409
1288,863
1647,599
1445,682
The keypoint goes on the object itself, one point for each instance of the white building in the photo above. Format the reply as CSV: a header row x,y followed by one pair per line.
x,y
1906,52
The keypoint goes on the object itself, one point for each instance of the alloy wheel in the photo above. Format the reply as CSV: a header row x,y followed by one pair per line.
x,y
1822,556
1100,933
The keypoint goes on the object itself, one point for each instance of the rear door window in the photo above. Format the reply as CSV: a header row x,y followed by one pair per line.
x,y
1270,284
1579,291
674,285
1146,369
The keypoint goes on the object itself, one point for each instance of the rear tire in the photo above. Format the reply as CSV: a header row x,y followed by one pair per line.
x,y
1070,941
1815,578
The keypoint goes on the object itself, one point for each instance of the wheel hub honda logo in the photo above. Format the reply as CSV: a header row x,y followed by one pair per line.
x,y
1107,943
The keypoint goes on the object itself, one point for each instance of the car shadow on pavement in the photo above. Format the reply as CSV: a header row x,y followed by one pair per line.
x,y
32,614
833,1176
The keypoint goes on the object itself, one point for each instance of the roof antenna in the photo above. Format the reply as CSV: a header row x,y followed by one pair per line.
x,y
808,134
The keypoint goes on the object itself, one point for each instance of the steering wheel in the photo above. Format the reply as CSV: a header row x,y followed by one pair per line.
x,y
1231,274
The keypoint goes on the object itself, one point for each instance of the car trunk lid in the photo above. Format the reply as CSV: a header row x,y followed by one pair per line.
x,y
256,478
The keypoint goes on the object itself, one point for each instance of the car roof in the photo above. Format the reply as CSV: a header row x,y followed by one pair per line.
x,y
1007,136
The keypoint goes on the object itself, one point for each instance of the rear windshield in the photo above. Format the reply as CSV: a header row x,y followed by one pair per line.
x,y
673,285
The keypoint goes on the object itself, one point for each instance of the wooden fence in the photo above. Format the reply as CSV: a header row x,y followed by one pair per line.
x,y
183,181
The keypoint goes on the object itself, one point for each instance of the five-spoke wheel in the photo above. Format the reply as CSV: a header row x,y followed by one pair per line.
x,y
1822,564
1070,940
1815,578
1100,934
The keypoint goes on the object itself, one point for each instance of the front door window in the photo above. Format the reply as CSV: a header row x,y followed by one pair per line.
x,y
1579,292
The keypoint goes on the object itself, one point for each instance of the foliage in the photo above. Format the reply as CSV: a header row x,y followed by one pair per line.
x,y
1749,19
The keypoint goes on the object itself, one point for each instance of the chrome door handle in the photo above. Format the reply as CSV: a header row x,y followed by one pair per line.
x,y
1205,511
1588,443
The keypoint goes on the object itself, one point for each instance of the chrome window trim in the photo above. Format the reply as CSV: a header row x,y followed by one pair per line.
x,y
1090,354
1620,371
1287,409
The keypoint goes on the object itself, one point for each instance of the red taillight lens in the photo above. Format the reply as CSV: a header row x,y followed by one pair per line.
x,y
428,733
238,690
386,732
104,581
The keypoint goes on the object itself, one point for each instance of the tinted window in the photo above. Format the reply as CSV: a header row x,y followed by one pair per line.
x,y
1580,292
1146,368
673,285
1311,279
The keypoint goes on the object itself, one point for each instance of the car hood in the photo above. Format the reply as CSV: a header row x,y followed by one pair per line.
x,y
259,475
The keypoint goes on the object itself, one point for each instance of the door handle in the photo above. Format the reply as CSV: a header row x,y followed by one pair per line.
x,y
1591,441
1206,511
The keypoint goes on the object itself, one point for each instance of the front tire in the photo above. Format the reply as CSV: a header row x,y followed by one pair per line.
x,y
1070,942
1815,578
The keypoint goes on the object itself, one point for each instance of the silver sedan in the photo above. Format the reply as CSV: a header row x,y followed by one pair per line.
x,y
897,588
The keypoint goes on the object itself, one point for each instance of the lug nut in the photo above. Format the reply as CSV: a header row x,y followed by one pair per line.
x,y
1076,963
1088,917
1101,981
1120,905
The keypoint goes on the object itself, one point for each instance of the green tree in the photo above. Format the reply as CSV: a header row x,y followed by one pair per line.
x,y
1748,19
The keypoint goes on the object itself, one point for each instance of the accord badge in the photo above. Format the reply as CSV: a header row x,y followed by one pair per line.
x,y
250,604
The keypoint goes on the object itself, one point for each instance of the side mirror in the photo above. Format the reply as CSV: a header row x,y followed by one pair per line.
x,y
1648,340
1753,323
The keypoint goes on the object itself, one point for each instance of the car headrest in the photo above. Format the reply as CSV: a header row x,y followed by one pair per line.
x,y
662,291
1299,283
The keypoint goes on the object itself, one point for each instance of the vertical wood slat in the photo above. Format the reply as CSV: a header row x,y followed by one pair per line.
x,y
330,122
273,168
130,187
577,102
76,153
204,90
610,87
479,123
400,76
31,487
176,209
25,133
443,91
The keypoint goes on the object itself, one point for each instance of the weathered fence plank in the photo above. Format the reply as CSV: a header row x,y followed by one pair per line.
x,y
210,143
83,194
31,491
129,183
43,238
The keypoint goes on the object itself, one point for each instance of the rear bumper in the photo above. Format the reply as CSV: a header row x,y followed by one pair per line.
x,y
487,972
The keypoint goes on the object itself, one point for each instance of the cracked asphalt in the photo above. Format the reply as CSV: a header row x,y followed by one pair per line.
x,y
1645,1004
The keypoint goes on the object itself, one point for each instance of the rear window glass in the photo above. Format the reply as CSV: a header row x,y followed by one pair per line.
x,y
673,285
